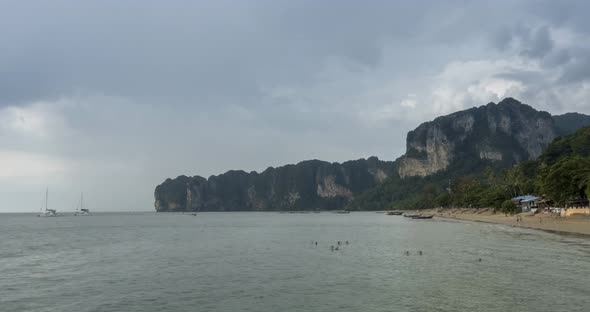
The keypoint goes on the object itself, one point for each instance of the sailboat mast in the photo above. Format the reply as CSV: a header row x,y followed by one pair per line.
x,y
46,198
81,200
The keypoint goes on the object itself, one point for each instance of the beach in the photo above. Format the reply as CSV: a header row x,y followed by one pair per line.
x,y
577,225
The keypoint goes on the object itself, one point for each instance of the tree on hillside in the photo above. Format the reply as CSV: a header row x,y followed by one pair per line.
x,y
567,179
515,179
583,176
521,178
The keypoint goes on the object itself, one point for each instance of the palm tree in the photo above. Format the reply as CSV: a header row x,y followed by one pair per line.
x,y
583,176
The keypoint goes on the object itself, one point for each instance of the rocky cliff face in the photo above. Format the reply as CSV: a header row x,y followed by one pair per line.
x,y
307,185
467,142
507,132
569,123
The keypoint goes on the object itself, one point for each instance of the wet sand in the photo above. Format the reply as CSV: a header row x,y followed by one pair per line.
x,y
578,225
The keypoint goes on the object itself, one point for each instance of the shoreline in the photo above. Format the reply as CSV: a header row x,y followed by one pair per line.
x,y
567,225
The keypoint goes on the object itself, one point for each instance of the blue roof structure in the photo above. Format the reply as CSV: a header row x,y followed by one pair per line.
x,y
526,197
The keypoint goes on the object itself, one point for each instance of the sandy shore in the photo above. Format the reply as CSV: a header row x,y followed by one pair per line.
x,y
578,225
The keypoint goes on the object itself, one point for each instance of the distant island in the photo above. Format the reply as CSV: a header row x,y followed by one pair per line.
x,y
463,159
308,185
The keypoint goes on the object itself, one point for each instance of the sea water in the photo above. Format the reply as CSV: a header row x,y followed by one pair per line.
x,y
270,262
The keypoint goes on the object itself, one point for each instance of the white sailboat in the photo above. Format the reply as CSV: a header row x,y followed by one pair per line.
x,y
81,211
48,212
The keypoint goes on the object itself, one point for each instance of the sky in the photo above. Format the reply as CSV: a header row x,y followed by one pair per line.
x,y
110,98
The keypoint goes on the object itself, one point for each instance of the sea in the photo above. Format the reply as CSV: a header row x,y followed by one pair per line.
x,y
265,261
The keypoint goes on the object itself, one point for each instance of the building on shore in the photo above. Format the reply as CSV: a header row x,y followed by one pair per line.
x,y
527,203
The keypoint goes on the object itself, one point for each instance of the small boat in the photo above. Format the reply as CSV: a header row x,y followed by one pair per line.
x,y
48,212
342,211
81,211
393,213
423,216
411,215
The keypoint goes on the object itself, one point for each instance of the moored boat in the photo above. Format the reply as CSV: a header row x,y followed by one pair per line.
x,y
411,215
48,212
421,216
81,211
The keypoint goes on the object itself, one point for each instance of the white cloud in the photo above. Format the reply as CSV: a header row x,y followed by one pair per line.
x,y
28,165
409,102
39,120
33,120
23,120
463,84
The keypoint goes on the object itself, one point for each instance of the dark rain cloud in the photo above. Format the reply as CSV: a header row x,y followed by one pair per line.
x,y
199,52
151,89
537,43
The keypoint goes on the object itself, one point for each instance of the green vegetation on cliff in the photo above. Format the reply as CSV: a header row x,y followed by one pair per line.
x,y
561,173
568,123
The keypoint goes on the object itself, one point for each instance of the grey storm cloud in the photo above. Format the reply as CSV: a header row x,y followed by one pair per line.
x,y
115,96
538,43
192,51
532,43
183,50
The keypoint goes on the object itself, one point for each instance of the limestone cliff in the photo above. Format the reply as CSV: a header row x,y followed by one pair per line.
x,y
495,136
569,123
507,132
308,185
